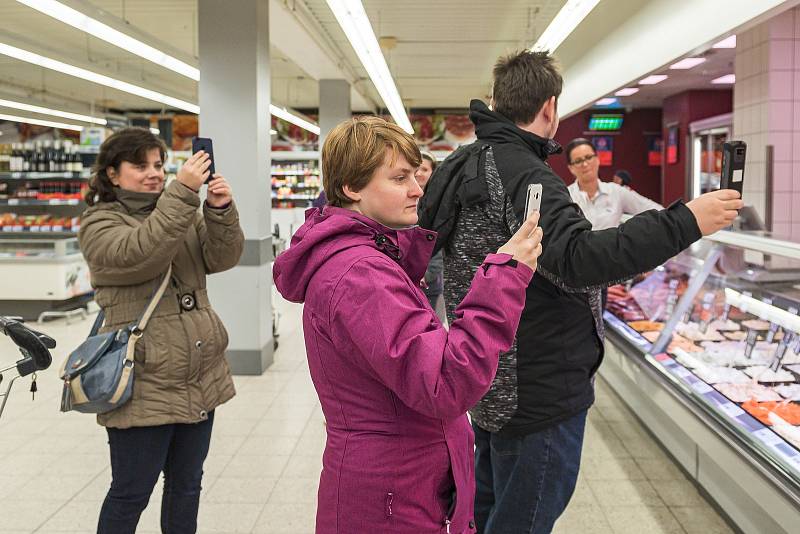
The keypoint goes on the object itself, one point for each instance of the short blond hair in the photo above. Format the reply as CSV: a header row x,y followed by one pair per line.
x,y
356,148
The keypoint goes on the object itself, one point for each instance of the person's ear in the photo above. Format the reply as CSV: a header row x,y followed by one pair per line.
x,y
112,175
354,196
549,110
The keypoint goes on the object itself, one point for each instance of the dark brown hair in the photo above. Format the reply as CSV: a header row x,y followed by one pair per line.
x,y
523,82
355,149
129,144
575,143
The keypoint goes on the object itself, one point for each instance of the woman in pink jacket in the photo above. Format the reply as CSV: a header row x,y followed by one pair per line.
x,y
394,384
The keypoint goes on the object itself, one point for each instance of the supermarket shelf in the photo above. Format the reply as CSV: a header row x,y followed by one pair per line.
x,y
35,202
280,155
294,197
301,185
30,233
44,175
295,173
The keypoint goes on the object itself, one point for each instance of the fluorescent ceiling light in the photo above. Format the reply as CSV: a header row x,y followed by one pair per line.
x,y
356,26
64,68
606,101
627,91
564,23
78,20
687,63
728,78
653,79
61,125
71,70
54,112
728,42
282,113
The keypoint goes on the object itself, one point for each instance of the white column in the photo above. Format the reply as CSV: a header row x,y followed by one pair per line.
x,y
234,111
334,105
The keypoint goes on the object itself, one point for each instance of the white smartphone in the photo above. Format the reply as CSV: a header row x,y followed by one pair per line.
x,y
533,202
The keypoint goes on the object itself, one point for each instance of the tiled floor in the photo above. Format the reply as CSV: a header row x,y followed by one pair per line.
x,y
261,475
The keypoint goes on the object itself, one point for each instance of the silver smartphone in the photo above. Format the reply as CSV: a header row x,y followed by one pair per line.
x,y
533,202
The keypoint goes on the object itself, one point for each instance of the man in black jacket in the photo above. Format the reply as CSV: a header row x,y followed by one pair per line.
x,y
529,427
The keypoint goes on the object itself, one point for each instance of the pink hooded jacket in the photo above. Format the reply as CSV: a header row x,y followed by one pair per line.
x,y
394,384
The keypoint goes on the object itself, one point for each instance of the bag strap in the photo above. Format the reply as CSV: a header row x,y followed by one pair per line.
x,y
154,300
148,311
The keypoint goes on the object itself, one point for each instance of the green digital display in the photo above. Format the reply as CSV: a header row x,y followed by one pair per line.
x,y
605,122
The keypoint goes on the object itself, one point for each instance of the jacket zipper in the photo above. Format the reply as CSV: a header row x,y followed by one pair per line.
x,y
389,500
448,520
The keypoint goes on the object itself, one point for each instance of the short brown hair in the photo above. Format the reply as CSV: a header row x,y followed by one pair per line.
x,y
523,82
128,144
355,149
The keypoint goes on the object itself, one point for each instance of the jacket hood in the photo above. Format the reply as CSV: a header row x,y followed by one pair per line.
x,y
493,127
332,230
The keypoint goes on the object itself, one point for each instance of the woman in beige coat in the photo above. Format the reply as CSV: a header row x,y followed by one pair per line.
x,y
131,233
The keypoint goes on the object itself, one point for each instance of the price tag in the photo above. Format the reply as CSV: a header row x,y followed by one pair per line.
x,y
13,202
6,228
17,228
731,409
768,437
682,372
35,228
701,387
58,228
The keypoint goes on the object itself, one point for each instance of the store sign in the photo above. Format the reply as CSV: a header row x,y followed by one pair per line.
x,y
655,146
672,145
604,147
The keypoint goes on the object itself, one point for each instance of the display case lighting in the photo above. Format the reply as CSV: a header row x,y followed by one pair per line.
x,y
728,42
54,112
356,26
39,122
728,78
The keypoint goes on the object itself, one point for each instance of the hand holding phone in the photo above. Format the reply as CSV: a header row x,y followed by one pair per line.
x,y
195,171
733,157
205,144
533,200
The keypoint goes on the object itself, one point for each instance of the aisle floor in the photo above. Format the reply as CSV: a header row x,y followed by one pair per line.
x,y
262,471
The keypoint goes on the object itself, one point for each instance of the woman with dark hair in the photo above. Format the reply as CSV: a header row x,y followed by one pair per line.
x,y
603,203
133,232
623,178
434,277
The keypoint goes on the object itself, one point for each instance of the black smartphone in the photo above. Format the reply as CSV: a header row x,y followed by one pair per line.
x,y
205,144
733,156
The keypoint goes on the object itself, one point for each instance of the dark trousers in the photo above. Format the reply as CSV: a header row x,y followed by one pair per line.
x,y
138,456
525,483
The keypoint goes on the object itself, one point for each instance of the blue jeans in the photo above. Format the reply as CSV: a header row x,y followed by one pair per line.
x,y
525,483
138,456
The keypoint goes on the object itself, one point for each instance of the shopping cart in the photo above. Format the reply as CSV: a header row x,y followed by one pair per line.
x,y
34,347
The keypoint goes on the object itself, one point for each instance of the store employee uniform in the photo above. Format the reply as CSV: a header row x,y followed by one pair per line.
x,y
605,210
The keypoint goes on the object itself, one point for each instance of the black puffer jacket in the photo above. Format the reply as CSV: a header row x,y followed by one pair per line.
x,y
547,377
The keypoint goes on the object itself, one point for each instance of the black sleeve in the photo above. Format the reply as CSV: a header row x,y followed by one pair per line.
x,y
576,258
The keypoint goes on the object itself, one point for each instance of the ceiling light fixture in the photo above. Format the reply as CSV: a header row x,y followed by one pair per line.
x,y
356,26
687,63
282,113
728,78
564,23
653,79
92,26
627,91
71,70
54,112
728,42
39,122
606,101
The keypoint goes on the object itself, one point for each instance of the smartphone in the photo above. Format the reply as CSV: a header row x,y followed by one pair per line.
x,y
733,156
533,202
205,144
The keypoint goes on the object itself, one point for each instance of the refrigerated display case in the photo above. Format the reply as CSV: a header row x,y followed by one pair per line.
x,y
707,138
706,351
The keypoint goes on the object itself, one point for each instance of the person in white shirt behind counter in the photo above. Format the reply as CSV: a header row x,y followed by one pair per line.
x,y
602,203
